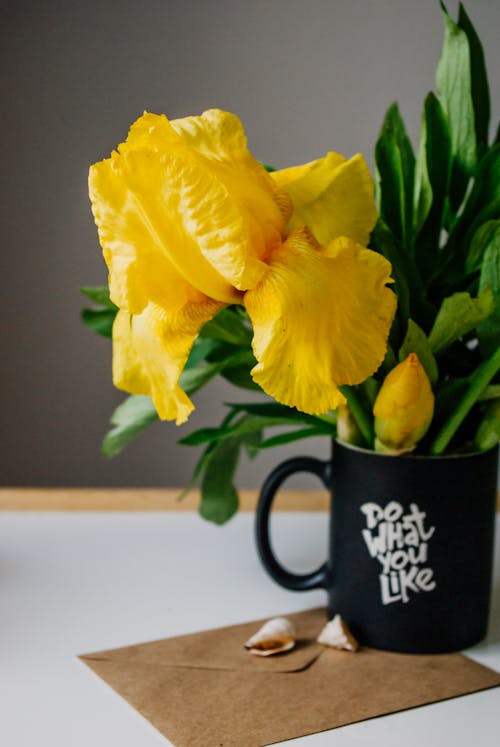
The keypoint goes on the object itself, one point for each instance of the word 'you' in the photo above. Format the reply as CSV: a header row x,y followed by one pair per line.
x,y
400,544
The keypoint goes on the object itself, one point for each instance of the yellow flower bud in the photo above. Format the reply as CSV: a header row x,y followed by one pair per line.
x,y
404,407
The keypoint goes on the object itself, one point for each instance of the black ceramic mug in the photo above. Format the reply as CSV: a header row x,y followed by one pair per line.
x,y
411,545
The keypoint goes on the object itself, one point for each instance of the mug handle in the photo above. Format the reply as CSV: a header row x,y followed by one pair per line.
x,y
297,582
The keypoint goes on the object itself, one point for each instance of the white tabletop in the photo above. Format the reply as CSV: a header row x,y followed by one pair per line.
x,y
74,583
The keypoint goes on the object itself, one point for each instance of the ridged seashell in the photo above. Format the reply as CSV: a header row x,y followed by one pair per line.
x,y
336,634
274,637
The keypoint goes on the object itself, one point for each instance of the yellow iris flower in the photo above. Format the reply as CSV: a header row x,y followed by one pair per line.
x,y
190,222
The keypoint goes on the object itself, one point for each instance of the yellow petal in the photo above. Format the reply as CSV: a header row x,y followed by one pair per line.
x,y
321,319
164,216
150,350
150,132
217,141
218,136
332,197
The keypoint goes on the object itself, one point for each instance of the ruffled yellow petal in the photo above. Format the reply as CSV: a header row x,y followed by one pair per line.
x,y
165,213
219,137
150,350
332,197
321,318
217,141
150,132
140,270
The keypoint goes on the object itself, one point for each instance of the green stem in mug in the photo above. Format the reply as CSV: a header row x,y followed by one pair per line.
x,y
363,418
477,384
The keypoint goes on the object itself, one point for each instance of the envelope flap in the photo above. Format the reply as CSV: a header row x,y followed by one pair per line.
x,y
223,648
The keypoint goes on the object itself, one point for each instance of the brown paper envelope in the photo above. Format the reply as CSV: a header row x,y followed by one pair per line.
x,y
228,698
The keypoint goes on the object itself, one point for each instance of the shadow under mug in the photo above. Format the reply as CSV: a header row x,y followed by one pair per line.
x,y
411,544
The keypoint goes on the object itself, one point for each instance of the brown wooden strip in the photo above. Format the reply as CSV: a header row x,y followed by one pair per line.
x,y
142,499
145,499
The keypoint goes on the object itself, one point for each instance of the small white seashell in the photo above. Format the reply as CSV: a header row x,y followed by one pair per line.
x,y
337,635
274,637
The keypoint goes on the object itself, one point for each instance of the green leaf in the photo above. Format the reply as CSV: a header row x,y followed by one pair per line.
x,y
219,498
203,347
194,378
458,315
476,385
99,320
447,397
395,170
198,471
416,341
479,79
370,388
286,438
454,84
383,241
486,235
388,364
268,168
99,295
283,412
491,392
248,424
134,415
228,326
240,376
251,442
482,204
488,433
204,460
488,332
432,179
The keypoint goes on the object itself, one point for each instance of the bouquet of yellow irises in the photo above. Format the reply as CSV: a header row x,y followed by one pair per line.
x,y
371,318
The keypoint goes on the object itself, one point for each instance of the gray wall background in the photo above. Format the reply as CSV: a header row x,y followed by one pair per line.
x,y
305,77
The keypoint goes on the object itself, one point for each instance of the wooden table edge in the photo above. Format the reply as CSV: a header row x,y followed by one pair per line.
x,y
145,499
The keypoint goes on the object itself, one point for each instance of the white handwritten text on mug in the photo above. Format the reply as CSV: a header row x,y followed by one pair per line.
x,y
400,543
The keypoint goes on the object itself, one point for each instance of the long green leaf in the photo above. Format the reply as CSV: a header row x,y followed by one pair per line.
x,y
479,80
275,410
432,179
395,170
286,438
248,424
454,84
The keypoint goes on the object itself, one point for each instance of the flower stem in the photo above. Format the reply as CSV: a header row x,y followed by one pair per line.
x,y
360,414
477,383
